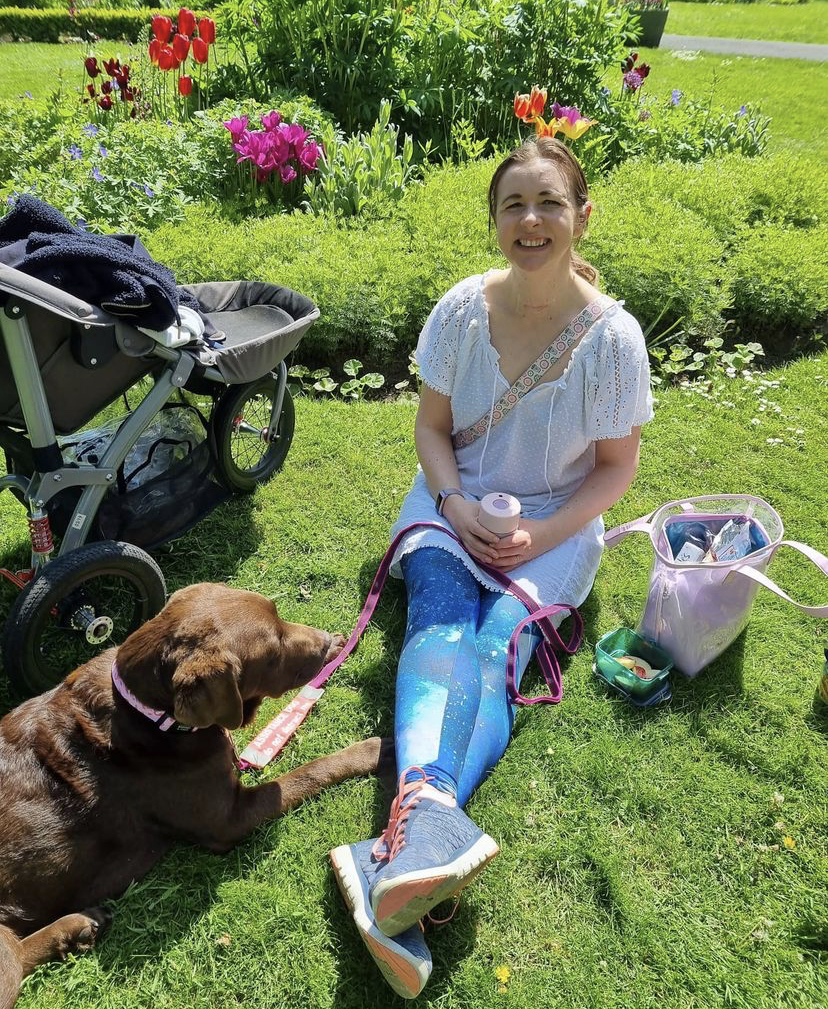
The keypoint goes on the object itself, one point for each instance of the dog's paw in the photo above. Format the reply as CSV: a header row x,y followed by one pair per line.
x,y
77,933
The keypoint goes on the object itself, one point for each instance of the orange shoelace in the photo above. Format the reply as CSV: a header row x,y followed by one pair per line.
x,y
392,840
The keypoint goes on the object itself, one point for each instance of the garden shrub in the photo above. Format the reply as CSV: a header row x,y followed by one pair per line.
x,y
362,277
732,192
437,61
666,262
780,287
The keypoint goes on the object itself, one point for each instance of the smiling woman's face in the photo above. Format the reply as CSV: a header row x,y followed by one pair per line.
x,y
536,217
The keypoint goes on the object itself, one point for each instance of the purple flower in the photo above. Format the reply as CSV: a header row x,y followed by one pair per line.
x,y
90,130
675,97
270,121
10,199
75,153
28,94
644,115
96,174
287,173
742,110
569,112
309,156
633,80
103,151
80,223
237,127
295,136
148,192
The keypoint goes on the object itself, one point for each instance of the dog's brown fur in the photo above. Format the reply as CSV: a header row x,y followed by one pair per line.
x,y
93,793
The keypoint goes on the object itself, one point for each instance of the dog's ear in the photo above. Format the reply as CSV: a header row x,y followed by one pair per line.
x,y
206,689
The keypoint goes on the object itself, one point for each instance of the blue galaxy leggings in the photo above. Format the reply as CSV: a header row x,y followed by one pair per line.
x,y
453,717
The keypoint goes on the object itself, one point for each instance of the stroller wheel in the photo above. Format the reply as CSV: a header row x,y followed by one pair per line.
x,y
244,456
79,605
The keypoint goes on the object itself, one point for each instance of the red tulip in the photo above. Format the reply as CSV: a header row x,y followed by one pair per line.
x,y
207,30
106,87
537,100
127,94
154,51
166,58
181,46
105,103
200,50
122,75
186,21
111,66
185,85
91,89
91,65
161,27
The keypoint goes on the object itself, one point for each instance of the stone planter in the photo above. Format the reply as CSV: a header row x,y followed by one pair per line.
x,y
652,26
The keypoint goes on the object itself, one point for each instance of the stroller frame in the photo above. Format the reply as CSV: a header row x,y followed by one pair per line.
x,y
63,598
52,476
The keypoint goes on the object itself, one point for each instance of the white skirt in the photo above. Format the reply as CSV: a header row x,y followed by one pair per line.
x,y
564,574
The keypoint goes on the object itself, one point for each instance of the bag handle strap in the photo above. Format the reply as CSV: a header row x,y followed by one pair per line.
x,y
820,560
640,525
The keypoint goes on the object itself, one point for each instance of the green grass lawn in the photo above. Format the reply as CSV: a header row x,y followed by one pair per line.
x,y
793,92
642,862
804,22
35,66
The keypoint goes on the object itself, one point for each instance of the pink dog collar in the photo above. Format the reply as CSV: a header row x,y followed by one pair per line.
x,y
163,720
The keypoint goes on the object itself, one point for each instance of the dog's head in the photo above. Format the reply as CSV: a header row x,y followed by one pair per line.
x,y
213,653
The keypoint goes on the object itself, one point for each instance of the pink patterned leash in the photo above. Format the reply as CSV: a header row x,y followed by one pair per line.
x,y
261,750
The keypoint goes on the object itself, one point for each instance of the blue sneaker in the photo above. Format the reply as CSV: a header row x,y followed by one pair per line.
x,y
405,960
431,851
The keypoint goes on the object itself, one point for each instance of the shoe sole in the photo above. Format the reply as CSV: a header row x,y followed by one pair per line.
x,y
398,903
405,973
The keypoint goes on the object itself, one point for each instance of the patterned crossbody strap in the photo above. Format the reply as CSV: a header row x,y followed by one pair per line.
x,y
575,331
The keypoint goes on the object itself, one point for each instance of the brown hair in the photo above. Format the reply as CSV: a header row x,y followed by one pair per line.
x,y
559,154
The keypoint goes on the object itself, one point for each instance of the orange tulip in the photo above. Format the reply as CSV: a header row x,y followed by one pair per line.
x,y
185,85
537,100
522,105
549,129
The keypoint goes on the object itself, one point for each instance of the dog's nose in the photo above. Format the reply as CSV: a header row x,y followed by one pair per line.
x,y
336,642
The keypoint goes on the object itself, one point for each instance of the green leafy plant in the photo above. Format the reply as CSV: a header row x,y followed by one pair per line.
x,y
366,167
357,384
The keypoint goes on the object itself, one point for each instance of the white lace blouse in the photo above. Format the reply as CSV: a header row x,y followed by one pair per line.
x,y
544,448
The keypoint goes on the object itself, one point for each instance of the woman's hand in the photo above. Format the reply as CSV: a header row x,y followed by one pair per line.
x,y
525,543
462,515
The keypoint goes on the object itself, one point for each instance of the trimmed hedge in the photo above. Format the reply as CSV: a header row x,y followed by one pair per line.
x,y
680,244
49,25
780,286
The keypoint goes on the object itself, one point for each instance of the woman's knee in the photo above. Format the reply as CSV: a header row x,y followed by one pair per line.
x,y
439,584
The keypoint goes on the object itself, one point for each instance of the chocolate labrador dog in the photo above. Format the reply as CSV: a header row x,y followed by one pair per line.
x,y
131,753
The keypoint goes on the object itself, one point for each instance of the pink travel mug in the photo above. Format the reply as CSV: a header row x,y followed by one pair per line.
x,y
500,513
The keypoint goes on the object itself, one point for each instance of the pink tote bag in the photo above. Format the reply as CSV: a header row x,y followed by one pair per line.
x,y
694,611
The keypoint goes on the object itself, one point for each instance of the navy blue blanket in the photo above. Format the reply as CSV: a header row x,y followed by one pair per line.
x,y
114,272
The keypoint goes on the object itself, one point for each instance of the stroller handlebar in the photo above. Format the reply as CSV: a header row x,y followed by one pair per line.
x,y
21,285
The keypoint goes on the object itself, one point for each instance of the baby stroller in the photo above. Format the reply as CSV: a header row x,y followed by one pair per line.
x,y
62,362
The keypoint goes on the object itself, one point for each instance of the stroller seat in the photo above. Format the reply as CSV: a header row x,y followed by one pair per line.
x,y
257,325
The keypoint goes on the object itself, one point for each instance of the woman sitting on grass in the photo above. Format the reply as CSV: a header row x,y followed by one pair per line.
x,y
568,450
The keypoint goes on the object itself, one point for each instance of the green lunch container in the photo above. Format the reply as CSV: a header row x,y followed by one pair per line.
x,y
627,642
